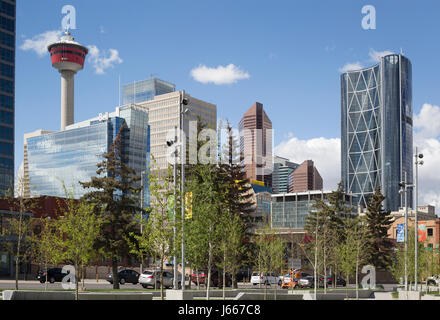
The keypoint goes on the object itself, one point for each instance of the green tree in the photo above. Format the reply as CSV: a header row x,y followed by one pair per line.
x,y
114,192
45,244
379,247
78,227
237,201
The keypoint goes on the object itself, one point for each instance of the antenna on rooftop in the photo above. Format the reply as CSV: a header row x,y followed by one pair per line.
x,y
152,75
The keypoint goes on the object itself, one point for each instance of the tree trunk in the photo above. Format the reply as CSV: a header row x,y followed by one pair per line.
x,y
161,277
190,273
115,273
76,283
198,281
325,264
16,272
265,287
357,274
83,274
346,285
45,283
224,274
208,283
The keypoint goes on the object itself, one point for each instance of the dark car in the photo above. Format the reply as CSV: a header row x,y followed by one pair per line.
x,y
216,278
52,275
124,276
339,281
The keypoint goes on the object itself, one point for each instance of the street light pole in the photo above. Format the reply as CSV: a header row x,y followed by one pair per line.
x,y
142,216
416,224
183,101
406,235
174,226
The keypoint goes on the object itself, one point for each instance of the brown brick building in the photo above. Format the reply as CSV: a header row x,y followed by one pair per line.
x,y
306,177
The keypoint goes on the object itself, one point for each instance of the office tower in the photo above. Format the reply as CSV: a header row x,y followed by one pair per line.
x,y
68,58
282,168
26,187
7,95
305,178
377,130
164,114
256,144
71,156
140,91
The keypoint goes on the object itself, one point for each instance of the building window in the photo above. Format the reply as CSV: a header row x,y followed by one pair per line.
x,y
430,232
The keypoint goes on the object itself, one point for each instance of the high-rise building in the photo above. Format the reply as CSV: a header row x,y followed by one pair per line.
x,y
282,168
305,178
377,130
26,187
7,95
140,91
70,156
256,144
164,115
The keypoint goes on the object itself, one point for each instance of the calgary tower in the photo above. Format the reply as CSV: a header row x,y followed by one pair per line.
x,y
68,58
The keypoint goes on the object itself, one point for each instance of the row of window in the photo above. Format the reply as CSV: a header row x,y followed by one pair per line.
x,y
6,102
6,55
7,39
7,8
7,24
67,51
6,70
6,133
7,164
7,148
6,86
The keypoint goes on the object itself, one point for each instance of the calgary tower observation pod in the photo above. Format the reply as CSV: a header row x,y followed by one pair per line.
x,y
68,58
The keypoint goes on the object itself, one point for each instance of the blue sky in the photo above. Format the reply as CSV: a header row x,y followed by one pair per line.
x,y
291,50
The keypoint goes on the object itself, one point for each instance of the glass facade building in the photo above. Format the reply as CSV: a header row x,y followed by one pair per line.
x,y
377,130
282,168
71,156
290,211
145,90
7,93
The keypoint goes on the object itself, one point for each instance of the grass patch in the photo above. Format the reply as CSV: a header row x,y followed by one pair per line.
x,y
433,292
395,295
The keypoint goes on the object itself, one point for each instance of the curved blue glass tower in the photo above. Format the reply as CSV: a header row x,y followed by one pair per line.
x,y
377,129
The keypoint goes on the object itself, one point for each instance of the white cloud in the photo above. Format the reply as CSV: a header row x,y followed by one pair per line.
x,y
376,55
102,60
219,75
326,154
426,139
351,67
40,42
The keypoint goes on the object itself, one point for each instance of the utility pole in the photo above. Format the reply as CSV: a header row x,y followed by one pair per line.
x,y
175,280
417,156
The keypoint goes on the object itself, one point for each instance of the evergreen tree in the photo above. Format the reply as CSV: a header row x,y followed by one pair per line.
x,y
114,193
378,221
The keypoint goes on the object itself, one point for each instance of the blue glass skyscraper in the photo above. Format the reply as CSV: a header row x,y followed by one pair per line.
x,y
377,130
145,90
70,156
7,91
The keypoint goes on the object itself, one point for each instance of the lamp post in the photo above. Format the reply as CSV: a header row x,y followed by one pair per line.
x,y
404,189
418,162
170,143
183,101
142,216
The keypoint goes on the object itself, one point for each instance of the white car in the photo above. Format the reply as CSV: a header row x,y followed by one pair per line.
x,y
151,278
260,278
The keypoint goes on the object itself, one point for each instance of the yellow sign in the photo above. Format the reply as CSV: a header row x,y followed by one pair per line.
x,y
188,205
258,183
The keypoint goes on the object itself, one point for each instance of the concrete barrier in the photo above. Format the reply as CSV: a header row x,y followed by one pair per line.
x,y
70,295
409,295
338,295
115,296
260,296
37,295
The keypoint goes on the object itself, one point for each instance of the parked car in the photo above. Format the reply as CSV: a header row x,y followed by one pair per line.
x,y
339,281
216,278
260,278
53,275
433,281
243,274
151,278
307,281
124,276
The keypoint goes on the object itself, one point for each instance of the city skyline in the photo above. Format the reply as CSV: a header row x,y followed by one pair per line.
x,y
286,75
